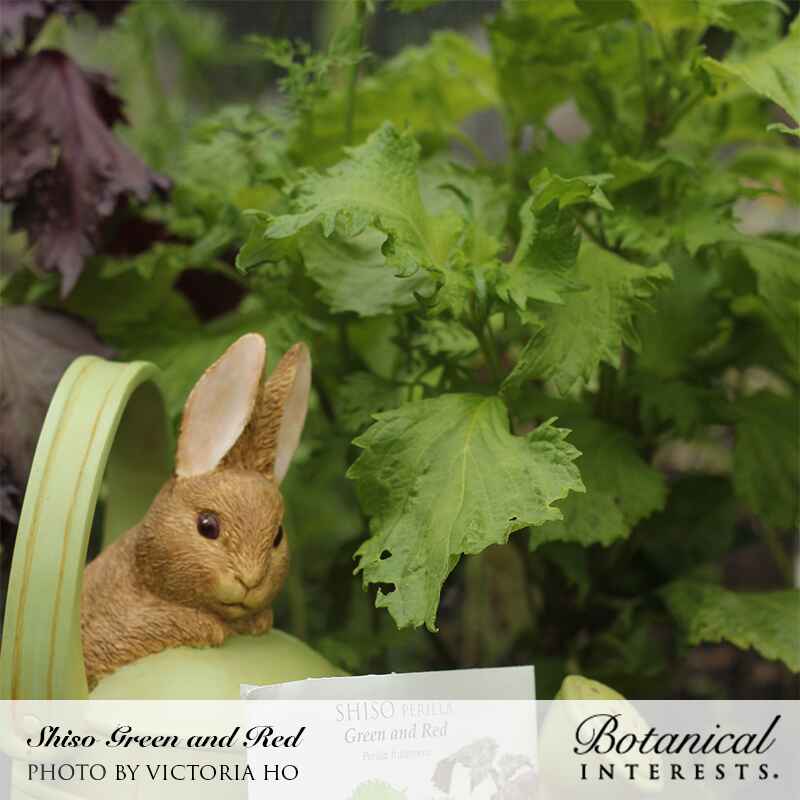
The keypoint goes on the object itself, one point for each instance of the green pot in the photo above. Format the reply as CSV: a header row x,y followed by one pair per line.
x,y
577,699
106,431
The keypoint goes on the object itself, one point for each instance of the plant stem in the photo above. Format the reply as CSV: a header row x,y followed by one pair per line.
x,y
517,175
528,558
295,592
344,341
439,646
682,109
324,399
352,83
488,351
590,232
606,393
297,603
644,74
472,146
148,48
782,560
480,327
475,617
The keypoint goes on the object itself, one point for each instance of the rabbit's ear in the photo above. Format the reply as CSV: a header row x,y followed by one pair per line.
x,y
288,388
220,406
277,422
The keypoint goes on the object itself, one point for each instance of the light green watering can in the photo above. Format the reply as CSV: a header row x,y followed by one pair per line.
x,y
106,432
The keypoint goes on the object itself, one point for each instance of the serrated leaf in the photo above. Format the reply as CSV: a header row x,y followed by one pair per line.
x,y
258,250
543,264
697,526
592,324
537,50
375,186
375,341
766,457
753,340
146,283
771,73
362,394
621,489
702,217
448,188
769,622
547,188
773,166
573,561
627,171
635,232
777,268
688,310
354,276
444,477
446,185
446,338
238,146
679,406
703,226
428,89
606,11
671,15
63,168
482,202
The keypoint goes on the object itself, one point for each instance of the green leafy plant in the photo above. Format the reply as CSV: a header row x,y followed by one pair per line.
x,y
554,388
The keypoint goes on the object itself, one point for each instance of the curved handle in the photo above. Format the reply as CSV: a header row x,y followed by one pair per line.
x,y
97,403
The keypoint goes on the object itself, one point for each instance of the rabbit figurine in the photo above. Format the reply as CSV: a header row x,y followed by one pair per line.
x,y
210,555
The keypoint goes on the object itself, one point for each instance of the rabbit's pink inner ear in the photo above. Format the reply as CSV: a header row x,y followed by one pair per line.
x,y
220,406
293,414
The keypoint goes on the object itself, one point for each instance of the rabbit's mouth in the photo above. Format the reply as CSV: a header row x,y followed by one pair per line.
x,y
239,597
235,610
248,605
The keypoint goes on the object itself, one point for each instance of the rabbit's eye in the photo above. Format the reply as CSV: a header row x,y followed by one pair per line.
x,y
208,525
278,536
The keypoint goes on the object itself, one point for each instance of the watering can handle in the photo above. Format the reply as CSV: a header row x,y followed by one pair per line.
x,y
97,404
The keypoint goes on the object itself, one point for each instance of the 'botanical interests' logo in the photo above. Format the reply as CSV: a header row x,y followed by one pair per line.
x,y
616,746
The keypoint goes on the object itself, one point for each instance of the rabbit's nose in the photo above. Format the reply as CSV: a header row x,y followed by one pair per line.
x,y
250,578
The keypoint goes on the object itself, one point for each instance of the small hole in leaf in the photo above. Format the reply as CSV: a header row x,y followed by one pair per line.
x,y
386,588
386,554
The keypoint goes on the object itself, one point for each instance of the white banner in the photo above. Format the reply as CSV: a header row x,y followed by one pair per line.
x,y
371,748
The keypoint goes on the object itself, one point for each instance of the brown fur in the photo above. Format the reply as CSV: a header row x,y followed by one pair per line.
x,y
162,584
255,448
